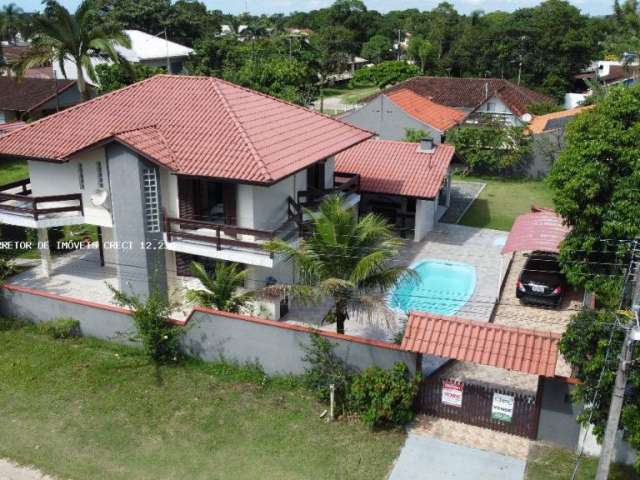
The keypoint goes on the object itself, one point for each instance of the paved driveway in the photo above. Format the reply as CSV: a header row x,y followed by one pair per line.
x,y
426,458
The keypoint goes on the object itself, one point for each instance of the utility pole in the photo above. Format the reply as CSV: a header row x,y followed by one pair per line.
x,y
617,398
399,31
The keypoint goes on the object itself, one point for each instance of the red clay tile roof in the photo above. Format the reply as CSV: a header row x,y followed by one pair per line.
x,y
470,93
425,110
397,168
6,128
542,229
199,126
29,93
528,351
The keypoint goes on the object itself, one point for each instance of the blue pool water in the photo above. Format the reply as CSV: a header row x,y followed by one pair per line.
x,y
442,287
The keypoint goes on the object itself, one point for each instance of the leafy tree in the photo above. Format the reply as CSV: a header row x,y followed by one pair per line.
x,y
345,258
584,345
75,36
384,74
414,135
114,76
596,186
332,47
11,20
490,147
152,318
189,21
211,54
423,52
220,289
377,49
543,108
150,16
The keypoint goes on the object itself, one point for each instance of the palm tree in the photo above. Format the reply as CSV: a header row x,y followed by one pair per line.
x,y
345,258
77,37
220,290
11,18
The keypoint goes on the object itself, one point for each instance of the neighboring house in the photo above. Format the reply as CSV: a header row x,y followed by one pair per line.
x,y
176,168
548,139
32,98
146,49
13,53
408,183
605,72
473,98
391,114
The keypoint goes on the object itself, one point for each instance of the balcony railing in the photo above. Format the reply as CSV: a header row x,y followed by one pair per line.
x,y
19,201
222,236
345,183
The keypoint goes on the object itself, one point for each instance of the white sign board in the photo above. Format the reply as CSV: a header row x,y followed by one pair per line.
x,y
502,407
452,393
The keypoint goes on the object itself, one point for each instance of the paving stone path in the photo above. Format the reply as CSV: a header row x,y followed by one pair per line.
x,y
11,471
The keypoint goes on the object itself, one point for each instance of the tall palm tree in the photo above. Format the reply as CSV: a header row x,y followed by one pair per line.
x,y
221,289
77,37
346,259
11,18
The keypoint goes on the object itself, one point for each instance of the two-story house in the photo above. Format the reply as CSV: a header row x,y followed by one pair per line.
x,y
176,168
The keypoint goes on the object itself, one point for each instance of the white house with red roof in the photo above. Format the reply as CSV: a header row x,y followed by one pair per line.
x,y
176,168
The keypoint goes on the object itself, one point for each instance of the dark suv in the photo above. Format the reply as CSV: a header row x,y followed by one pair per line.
x,y
541,281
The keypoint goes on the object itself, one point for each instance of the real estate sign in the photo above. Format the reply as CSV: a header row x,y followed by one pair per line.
x,y
452,393
502,407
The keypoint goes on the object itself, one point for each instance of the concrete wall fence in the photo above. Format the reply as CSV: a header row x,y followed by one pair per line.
x,y
211,335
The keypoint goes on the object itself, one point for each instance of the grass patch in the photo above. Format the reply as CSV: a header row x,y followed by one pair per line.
x,y
552,463
350,95
503,199
82,408
12,171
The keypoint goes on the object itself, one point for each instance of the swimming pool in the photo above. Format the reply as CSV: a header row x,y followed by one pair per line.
x,y
442,287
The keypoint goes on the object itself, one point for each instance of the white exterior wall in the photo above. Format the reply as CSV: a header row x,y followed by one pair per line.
x,y
49,178
425,219
496,106
622,452
329,169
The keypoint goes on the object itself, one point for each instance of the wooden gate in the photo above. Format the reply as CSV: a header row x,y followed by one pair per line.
x,y
493,408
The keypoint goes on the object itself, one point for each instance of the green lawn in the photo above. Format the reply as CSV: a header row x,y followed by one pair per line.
x,y
550,463
502,200
350,95
83,409
12,171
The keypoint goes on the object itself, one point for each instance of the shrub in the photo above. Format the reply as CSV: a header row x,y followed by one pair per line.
x,y
6,269
384,397
383,74
60,328
160,338
326,368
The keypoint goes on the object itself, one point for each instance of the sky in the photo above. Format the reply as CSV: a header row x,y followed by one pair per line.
x,y
592,7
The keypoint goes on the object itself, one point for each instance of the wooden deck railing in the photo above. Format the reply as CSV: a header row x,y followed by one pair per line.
x,y
345,183
24,204
223,235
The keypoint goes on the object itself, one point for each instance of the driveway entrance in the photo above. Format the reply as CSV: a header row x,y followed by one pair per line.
x,y
428,458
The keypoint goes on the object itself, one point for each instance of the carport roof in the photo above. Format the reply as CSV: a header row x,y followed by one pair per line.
x,y
529,351
542,229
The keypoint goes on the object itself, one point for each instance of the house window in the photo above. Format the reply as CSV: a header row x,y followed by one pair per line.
x,y
151,204
80,176
100,175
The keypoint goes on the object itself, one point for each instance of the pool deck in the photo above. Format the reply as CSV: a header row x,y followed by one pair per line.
x,y
478,247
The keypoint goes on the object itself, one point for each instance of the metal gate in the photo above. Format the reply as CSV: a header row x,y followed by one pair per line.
x,y
494,408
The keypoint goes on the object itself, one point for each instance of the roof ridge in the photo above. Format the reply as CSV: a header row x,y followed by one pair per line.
x,y
243,134
290,104
67,111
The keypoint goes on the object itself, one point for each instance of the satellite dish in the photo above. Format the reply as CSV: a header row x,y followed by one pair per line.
x,y
527,117
99,197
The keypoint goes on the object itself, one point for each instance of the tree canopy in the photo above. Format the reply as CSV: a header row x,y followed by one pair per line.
x,y
596,185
